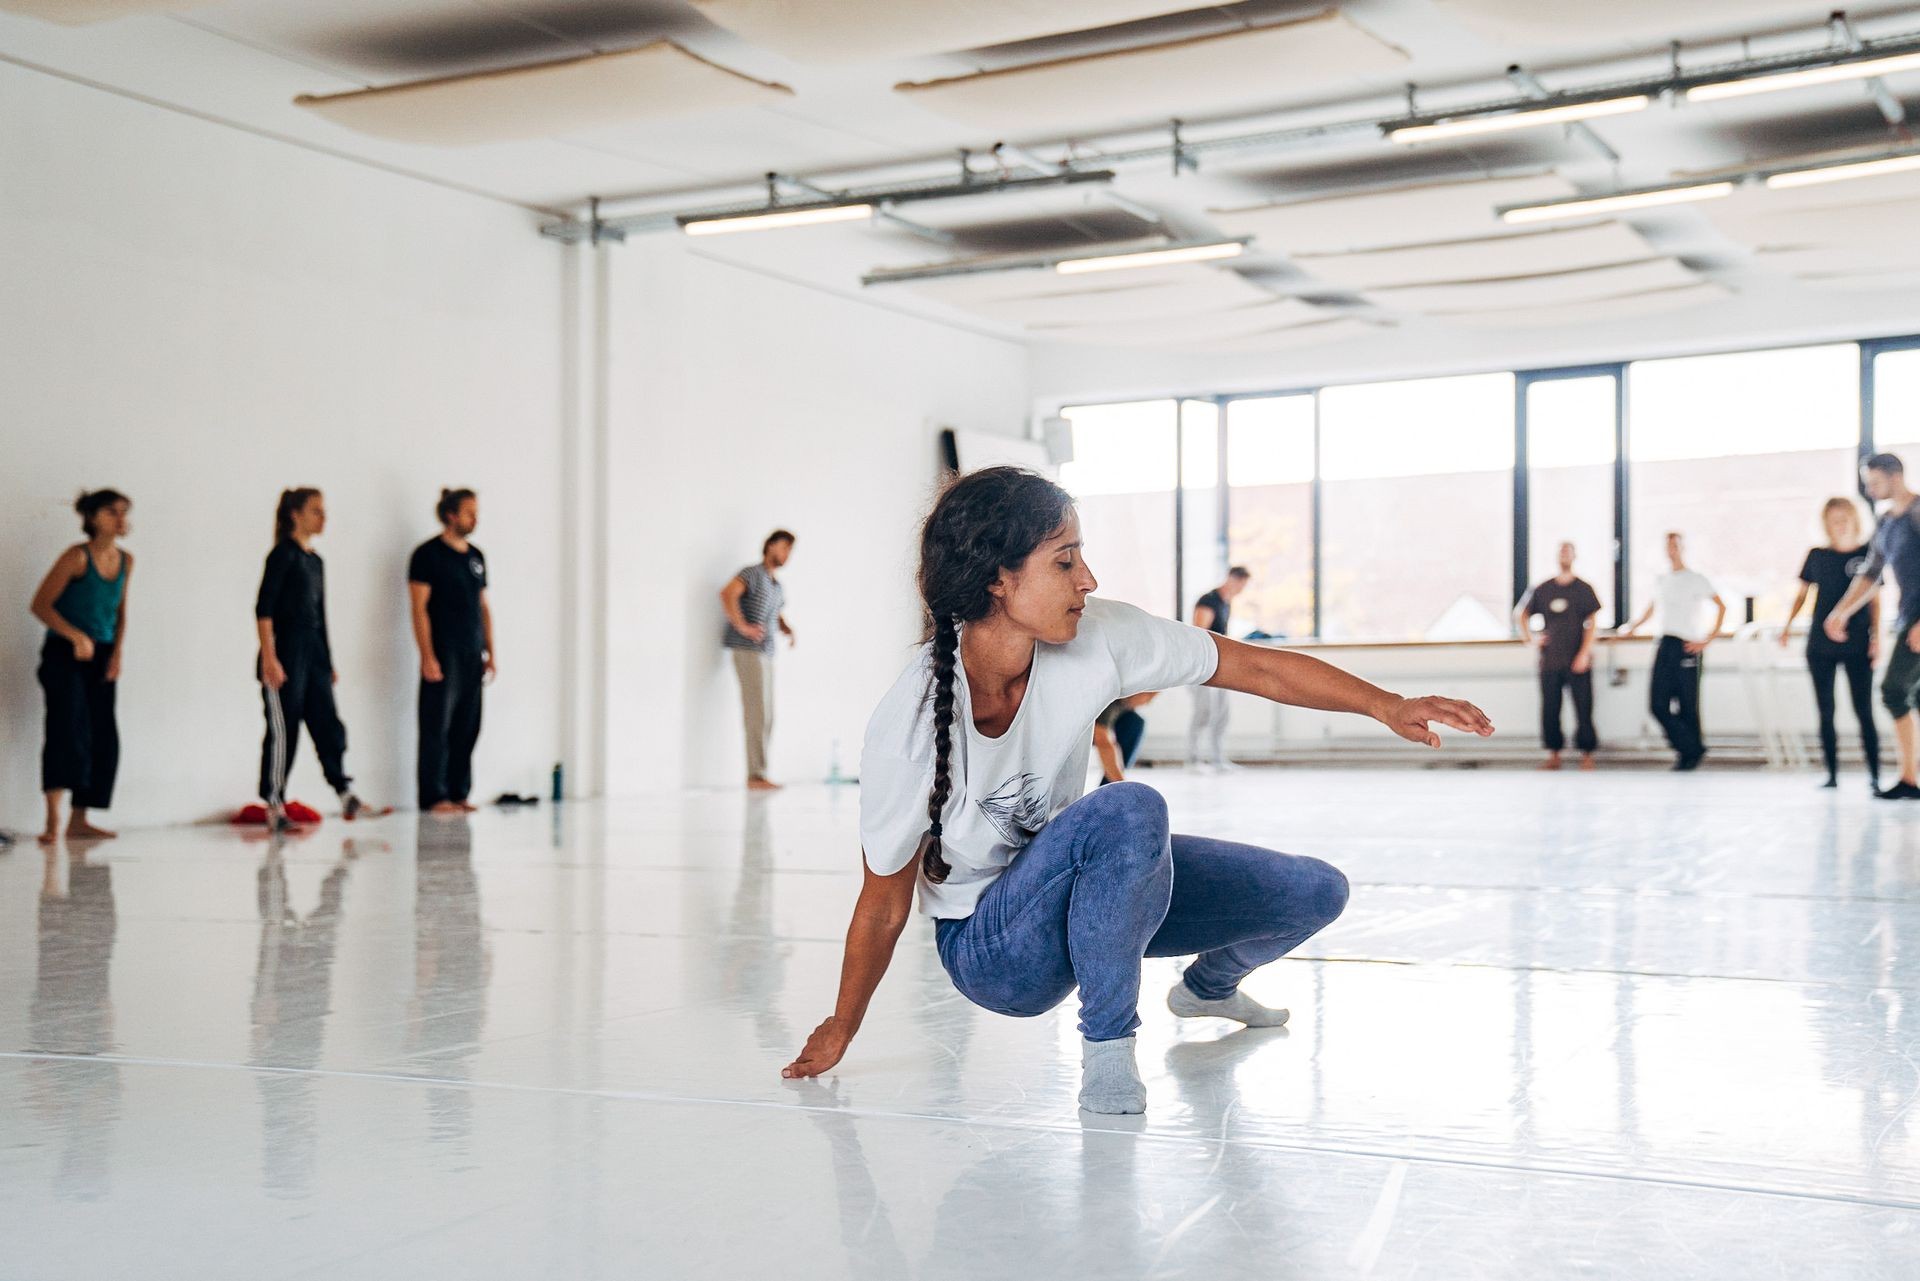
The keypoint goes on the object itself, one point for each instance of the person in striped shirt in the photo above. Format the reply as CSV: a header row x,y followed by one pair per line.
x,y
753,600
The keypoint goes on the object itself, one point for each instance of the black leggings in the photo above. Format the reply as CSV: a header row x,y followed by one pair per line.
x,y
1860,687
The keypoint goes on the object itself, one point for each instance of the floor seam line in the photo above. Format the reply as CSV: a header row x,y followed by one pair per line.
x,y
1035,1126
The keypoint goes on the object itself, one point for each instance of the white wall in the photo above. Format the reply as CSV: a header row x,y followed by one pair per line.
x,y
740,402
201,317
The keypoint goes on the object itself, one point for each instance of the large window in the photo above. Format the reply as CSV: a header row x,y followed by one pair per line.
x,y
1270,467
1203,555
1124,475
1389,511
1738,453
1571,448
1417,509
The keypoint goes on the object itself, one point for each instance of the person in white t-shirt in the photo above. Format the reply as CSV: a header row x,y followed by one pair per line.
x,y
972,781
1681,597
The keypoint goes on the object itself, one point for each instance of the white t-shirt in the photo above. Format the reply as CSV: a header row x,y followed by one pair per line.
x,y
1682,598
1006,789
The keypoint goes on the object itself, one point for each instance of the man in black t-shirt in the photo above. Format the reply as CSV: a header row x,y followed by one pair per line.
x,y
1207,731
1566,606
453,626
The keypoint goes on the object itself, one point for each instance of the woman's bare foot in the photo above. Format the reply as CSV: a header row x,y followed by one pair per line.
x,y
1552,761
446,807
762,785
468,807
51,835
1586,760
80,830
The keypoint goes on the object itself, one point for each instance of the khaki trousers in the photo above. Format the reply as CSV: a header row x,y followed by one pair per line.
x,y
756,705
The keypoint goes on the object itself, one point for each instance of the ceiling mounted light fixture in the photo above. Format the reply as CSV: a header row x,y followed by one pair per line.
x,y
767,220
1465,124
1205,251
1620,202
1832,73
1845,171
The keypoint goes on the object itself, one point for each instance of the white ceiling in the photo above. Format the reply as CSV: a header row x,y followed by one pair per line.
x,y
245,61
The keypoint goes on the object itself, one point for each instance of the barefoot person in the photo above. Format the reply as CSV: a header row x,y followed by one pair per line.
x,y
295,667
753,600
1896,547
972,783
1567,605
83,603
1827,573
453,626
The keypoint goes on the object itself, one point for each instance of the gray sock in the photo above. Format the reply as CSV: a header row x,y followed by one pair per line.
x,y
1239,1007
1109,1082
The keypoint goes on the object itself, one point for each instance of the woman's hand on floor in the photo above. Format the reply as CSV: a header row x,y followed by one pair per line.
x,y
825,1047
1413,718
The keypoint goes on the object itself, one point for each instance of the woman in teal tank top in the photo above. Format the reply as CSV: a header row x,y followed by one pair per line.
x,y
83,602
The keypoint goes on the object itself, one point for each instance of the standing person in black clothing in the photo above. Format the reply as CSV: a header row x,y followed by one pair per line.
x,y
1896,547
453,626
1566,606
295,667
1827,573
1209,721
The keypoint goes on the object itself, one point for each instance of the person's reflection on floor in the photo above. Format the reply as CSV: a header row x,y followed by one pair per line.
x,y
451,966
72,1014
753,957
292,996
866,1228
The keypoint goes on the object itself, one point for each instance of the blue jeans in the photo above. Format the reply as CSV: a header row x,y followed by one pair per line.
x,y
1105,884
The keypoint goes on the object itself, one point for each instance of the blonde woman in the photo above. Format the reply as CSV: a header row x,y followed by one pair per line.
x,y
1827,573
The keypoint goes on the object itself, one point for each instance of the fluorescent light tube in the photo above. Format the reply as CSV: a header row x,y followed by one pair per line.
x,y
1615,204
1832,73
1151,258
1466,126
1843,172
777,218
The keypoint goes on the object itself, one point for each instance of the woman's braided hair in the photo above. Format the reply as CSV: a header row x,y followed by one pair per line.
x,y
983,522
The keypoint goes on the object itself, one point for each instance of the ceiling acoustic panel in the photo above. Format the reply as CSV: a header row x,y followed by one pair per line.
x,y
654,82
1189,328
1629,306
1644,23
1420,214
1550,289
829,31
1859,281
79,13
1318,333
1033,299
1195,77
1529,253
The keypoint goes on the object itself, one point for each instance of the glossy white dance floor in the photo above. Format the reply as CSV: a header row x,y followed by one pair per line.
x,y
1612,1025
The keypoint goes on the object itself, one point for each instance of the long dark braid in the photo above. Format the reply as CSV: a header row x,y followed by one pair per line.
x,y
983,523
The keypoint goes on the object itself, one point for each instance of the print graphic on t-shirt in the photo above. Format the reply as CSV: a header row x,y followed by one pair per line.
x,y
1017,809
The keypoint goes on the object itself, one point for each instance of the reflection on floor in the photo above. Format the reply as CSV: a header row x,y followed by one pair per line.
x,y
1622,1025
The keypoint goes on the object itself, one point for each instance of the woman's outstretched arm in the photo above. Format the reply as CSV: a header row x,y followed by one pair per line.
x,y
1299,681
882,912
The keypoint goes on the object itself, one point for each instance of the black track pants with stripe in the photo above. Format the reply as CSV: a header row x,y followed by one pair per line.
x,y
306,699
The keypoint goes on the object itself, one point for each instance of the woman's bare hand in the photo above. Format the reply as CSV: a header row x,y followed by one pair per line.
x,y
1412,718
824,1048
